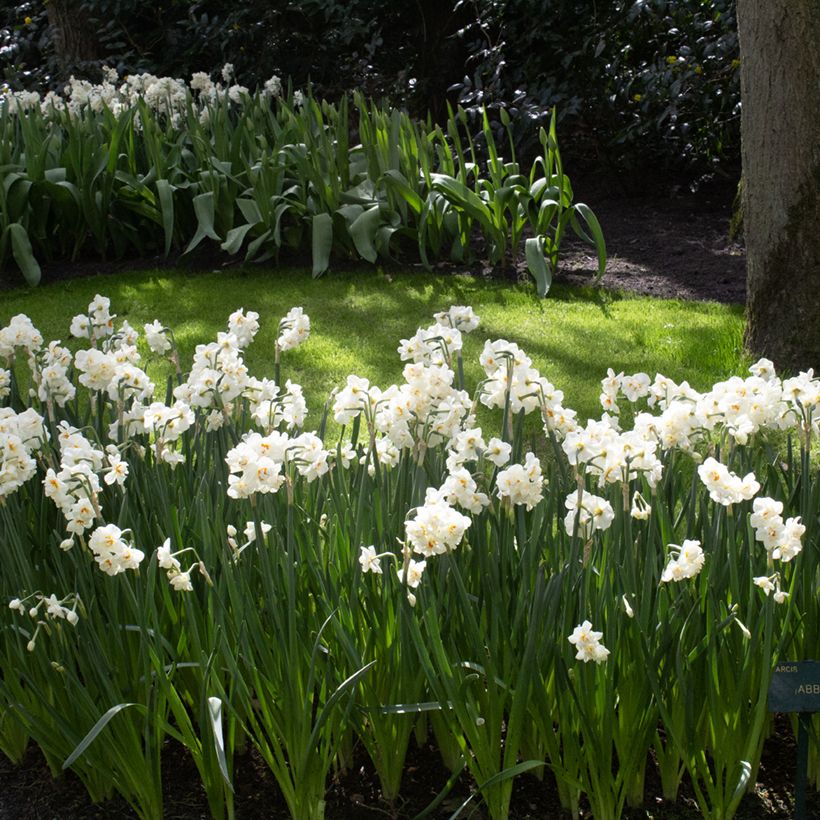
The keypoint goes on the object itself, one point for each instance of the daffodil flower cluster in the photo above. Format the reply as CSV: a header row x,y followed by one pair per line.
x,y
49,368
460,317
687,561
521,483
249,535
21,436
97,323
633,387
434,345
19,334
437,527
611,456
294,329
425,408
425,411
111,550
781,539
75,487
588,644
179,579
511,376
164,95
587,513
724,486
740,406
258,464
771,584
53,607
44,609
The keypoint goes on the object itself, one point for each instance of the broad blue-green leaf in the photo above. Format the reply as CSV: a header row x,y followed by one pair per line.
x,y
17,187
256,244
204,210
597,237
250,210
322,242
398,183
363,232
23,255
55,174
462,197
235,238
165,194
537,264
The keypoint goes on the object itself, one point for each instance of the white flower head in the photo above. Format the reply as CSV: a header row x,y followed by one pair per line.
x,y
369,560
415,570
588,643
688,563
181,581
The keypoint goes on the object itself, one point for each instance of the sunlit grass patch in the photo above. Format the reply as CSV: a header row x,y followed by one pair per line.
x,y
573,337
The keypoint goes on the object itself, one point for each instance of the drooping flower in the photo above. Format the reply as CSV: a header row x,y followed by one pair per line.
x,y
414,573
369,560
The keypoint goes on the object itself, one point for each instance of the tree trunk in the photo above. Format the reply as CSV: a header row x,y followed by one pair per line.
x,y
780,127
73,35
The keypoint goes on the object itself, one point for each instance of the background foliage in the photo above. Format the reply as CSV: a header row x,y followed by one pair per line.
x,y
651,78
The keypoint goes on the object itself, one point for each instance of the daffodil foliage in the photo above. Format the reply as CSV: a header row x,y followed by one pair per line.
x,y
185,561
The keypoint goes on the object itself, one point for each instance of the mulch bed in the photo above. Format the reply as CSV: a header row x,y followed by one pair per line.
x,y
671,245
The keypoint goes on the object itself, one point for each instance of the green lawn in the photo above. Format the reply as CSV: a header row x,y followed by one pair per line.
x,y
358,319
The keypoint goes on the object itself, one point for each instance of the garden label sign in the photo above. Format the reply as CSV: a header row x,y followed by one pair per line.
x,y
795,687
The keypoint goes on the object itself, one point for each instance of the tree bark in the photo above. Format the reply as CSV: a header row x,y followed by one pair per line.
x,y
780,128
73,35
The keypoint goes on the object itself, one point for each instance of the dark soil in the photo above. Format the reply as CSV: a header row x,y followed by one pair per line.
x,y
29,793
664,241
669,243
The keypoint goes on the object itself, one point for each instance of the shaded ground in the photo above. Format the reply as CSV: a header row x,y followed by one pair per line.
x,y
665,242
672,246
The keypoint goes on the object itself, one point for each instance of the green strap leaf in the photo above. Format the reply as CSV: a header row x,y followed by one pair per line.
x,y
512,771
341,689
408,708
215,713
743,780
96,729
